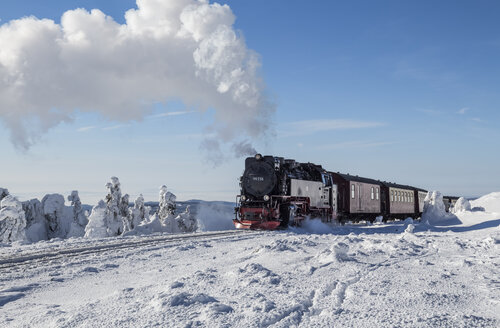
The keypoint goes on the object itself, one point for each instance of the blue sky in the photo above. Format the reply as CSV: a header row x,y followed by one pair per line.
x,y
395,90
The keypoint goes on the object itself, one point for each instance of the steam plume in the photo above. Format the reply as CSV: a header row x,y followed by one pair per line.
x,y
185,49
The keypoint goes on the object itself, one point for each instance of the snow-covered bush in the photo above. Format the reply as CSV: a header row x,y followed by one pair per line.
x,y
138,213
461,205
12,220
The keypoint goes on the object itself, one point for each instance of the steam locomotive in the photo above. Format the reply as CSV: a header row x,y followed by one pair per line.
x,y
277,192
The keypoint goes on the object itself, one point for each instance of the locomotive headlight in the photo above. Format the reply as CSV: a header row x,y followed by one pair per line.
x,y
243,197
258,157
266,198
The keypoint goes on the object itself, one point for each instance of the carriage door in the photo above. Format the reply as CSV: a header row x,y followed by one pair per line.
x,y
359,197
333,199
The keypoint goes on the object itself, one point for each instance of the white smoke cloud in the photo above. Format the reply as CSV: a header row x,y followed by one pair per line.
x,y
176,49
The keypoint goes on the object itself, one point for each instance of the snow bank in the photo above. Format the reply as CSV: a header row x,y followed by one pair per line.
x,y
435,212
490,202
12,220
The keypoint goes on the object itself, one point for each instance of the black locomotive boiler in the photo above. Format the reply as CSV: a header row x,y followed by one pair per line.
x,y
276,192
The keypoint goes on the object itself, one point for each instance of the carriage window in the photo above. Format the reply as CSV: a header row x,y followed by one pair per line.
x,y
376,194
406,197
352,191
392,195
373,194
399,196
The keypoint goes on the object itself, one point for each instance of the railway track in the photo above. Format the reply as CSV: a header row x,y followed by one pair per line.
x,y
39,257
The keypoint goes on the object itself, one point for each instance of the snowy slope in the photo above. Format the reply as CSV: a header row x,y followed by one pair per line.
x,y
490,202
344,276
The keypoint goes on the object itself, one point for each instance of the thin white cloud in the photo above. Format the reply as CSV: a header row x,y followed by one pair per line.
x,y
354,144
307,127
166,114
476,119
86,128
463,110
114,127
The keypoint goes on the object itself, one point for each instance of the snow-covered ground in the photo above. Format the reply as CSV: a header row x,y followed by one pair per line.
x,y
397,274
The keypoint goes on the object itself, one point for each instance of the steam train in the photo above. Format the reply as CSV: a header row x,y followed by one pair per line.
x,y
277,192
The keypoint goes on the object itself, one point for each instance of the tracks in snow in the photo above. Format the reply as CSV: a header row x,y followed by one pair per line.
x,y
49,255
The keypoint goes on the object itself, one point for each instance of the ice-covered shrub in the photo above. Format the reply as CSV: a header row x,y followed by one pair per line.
x,y
12,220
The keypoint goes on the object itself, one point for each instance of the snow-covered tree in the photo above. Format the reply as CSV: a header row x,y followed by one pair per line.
x,y
113,201
98,221
166,203
138,213
78,213
80,220
12,220
124,211
113,220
